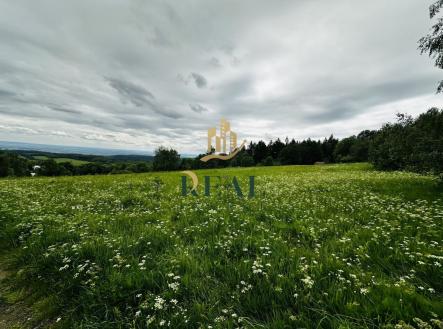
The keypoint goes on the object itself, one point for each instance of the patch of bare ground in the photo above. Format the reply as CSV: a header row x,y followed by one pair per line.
x,y
15,313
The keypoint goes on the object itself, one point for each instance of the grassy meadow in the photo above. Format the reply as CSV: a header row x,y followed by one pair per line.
x,y
329,246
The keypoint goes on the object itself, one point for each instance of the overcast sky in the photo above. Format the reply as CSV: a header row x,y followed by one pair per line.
x,y
139,74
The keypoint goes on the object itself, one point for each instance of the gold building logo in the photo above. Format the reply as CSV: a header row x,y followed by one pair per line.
x,y
225,147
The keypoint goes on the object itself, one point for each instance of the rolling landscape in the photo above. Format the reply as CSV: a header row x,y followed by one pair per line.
x,y
205,164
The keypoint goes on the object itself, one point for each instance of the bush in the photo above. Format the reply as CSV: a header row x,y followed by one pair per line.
x,y
166,159
410,144
268,161
247,161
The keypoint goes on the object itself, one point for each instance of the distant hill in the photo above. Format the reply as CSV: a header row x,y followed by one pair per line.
x,y
79,150
79,159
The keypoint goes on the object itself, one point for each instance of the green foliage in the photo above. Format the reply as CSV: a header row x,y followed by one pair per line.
x,y
343,149
166,159
432,43
290,154
74,162
410,144
4,165
274,148
259,152
354,148
305,152
269,161
333,246
21,163
13,165
50,168
246,161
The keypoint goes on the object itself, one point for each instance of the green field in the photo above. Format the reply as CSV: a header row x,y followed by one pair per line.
x,y
74,162
333,246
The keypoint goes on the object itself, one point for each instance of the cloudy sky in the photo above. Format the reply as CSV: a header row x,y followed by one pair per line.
x,y
139,74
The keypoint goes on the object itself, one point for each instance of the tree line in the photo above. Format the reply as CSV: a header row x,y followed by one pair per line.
x,y
413,144
13,164
408,144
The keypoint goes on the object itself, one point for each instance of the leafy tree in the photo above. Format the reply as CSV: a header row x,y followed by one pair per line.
x,y
410,144
50,168
269,161
354,148
275,148
343,149
187,163
310,151
97,168
360,149
4,164
12,164
166,159
66,168
432,44
328,147
247,161
290,154
19,165
259,152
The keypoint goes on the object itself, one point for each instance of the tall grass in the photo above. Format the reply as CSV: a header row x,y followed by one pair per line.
x,y
318,247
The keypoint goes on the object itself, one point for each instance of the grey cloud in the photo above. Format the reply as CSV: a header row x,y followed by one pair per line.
x,y
228,49
64,110
214,61
30,131
234,88
160,39
270,67
168,113
138,122
137,95
93,137
344,106
182,79
199,80
140,96
235,61
5,93
198,108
